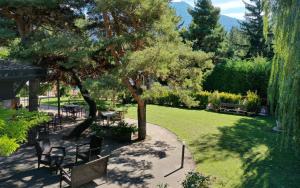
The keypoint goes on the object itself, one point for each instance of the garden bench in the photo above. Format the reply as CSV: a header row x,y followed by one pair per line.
x,y
85,173
232,108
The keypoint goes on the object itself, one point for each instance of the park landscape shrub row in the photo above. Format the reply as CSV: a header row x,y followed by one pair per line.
x,y
251,102
240,76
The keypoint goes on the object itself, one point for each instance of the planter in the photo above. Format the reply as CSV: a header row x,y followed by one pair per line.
x,y
125,137
122,137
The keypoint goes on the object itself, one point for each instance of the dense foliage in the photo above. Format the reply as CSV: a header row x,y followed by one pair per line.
x,y
250,102
253,28
284,88
196,180
238,76
237,44
205,32
14,127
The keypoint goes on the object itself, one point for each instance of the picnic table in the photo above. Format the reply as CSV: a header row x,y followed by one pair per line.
x,y
108,115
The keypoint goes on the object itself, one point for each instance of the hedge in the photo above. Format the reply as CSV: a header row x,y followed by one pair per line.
x,y
240,77
251,101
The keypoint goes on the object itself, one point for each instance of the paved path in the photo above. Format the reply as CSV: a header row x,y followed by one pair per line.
x,y
139,164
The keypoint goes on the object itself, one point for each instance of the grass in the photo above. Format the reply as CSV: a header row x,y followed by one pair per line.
x,y
63,100
239,151
80,101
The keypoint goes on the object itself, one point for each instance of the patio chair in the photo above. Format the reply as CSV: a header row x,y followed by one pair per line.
x,y
42,131
85,173
56,122
48,155
90,150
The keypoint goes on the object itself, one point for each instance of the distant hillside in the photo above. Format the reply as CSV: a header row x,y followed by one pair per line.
x,y
182,11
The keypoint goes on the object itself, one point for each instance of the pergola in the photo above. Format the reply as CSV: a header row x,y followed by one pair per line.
x,y
13,76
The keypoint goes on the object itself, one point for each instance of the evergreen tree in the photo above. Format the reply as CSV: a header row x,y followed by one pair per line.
x,y
145,46
135,41
238,43
45,34
253,28
205,31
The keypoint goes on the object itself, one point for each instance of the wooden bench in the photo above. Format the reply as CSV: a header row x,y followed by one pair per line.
x,y
85,173
232,108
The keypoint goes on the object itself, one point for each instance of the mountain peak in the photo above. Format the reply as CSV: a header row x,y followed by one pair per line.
x,y
182,7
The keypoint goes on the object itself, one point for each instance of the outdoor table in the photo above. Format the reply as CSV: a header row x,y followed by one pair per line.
x,y
73,109
108,115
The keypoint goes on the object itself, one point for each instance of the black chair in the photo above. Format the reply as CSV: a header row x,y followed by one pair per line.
x,y
56,122
42,131
49,156
89,151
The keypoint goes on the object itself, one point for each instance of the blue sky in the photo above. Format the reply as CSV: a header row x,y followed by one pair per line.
x,y
232,8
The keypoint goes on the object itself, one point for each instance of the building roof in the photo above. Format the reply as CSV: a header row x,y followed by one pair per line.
x,y
16,71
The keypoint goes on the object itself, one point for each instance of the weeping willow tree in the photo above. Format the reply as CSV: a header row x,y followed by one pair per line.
x,y
284,86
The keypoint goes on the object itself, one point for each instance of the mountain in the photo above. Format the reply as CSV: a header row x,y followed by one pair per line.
x,y
181,9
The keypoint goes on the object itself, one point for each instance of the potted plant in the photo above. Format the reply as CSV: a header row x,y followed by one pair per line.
x,y
123,131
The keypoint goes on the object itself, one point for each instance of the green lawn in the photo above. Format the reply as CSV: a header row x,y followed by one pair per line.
x,y
63,100
239,151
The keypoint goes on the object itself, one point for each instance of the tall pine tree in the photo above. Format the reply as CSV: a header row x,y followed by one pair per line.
x,y
253,28
205,31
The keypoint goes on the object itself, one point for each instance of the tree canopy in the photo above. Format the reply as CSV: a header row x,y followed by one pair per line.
x,y
135,41
284,86
253,29
205,32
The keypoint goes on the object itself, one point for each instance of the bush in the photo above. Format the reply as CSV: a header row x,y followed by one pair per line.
x,y
240,76
196,180
14,126
202,98
230,98
215,99
123,128
7,145
252,102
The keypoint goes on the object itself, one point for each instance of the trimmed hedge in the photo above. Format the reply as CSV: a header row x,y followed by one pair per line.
x,y
240,77
251,101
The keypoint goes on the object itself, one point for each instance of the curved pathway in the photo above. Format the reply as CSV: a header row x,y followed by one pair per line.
x,y
151,162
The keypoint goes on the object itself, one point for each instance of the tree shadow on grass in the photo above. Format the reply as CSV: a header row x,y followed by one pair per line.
x,y
264,163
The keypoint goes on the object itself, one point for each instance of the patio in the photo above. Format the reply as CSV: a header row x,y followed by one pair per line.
x,y
137,164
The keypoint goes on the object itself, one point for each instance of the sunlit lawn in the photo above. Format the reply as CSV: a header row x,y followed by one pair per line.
x,y
63,100
239,151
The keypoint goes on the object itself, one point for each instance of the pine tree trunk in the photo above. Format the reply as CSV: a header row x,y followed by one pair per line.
x,y
80,128
141,112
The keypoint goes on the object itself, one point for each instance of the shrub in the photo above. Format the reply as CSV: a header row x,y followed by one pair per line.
x,y
202,98
230,98
123,128
237,76
196,180
14,126
252,102
7,145
215,99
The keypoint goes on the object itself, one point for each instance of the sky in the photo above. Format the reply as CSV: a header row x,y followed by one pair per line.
x,y
232,8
